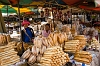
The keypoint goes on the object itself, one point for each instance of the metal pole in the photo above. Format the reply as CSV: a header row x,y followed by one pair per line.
x,y
37,19
84,17
20,29
37,11
8,19
71,17
53,16
19,19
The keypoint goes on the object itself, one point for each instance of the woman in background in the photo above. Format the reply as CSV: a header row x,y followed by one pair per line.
x,y
46,32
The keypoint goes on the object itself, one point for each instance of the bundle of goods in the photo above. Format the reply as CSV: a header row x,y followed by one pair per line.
x,y
54,56
94,41
73,31
4,39
94,44
67,29
72,46
82,40
58,38
35,53
7,55
18,46
83,56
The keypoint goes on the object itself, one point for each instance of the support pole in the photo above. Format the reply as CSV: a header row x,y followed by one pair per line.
x,y
84,17
71,17
20,30
37,20
53,16
37,11
8,19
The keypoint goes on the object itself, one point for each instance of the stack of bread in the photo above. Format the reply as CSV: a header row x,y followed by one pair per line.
x,y
83,57
41,44
4,39
82,40
7,55
72,46
54,56
57,39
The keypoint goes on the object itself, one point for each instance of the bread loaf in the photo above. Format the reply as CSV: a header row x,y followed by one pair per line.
x,y
32,59
26,54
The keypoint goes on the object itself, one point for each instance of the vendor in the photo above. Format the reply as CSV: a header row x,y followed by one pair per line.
x,y
47,31
27,32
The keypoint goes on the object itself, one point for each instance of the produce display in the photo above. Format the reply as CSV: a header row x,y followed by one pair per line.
x,y
82,40
4,39
7,55
72,46
54,56
83,56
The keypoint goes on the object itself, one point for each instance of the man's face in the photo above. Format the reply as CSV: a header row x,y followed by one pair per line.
x,y
26,25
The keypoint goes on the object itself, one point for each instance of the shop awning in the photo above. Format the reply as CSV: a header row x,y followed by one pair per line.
x,y
85,7
22,9
96,9
90,8
5,2
71,2
5,7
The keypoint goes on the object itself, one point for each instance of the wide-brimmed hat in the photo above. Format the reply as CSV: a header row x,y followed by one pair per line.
x,y
25,22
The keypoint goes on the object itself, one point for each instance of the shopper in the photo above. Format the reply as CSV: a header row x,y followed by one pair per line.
x,y
47,31
27,32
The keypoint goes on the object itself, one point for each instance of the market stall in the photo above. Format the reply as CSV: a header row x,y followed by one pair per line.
x,y
66,45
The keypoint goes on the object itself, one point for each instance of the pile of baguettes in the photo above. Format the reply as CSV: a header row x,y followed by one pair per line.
x,y
54,56
83,57
72,46
4,39
82,40
7,55
77,44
